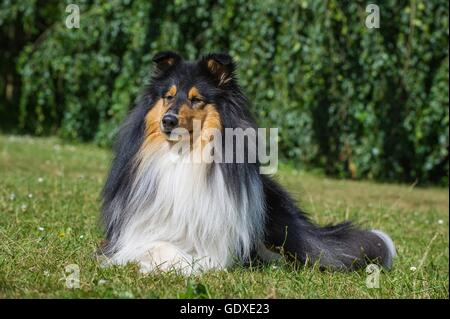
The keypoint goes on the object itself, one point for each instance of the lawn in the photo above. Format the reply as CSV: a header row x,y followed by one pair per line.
x,y
49,210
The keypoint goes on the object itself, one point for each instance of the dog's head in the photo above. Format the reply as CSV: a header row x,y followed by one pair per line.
x,y
186,91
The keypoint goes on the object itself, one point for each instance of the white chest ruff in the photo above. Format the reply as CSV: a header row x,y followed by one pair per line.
x,y
176,206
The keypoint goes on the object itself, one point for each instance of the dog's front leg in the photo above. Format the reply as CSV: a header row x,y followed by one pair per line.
x,y
165,257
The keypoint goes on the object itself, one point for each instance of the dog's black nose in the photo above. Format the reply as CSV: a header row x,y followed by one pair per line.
x,y
169,122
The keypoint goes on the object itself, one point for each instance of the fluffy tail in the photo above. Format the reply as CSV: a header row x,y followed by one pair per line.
x,y
343,246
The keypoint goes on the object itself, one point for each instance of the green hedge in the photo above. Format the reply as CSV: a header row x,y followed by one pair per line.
x,y
357,102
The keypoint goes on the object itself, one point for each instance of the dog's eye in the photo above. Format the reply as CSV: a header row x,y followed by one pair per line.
x,y
169,97
196,100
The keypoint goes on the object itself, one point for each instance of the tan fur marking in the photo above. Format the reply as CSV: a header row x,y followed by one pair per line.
x,y
187,115
218,70
153,135
208,117
194,93
212,119
172,91
213,66
211,122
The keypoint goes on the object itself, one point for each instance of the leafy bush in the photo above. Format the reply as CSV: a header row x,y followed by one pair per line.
x,y
357,102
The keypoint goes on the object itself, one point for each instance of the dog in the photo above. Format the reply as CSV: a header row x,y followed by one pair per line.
x,y
167,214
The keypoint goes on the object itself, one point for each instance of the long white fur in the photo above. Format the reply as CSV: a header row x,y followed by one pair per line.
x,y
179,219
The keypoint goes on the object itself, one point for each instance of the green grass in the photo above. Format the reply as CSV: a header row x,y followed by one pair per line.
x,y
48,219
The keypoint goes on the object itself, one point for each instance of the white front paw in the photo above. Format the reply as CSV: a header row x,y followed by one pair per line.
x,y
165,257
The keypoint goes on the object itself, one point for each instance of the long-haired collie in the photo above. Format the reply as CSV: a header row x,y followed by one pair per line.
x,y
168,213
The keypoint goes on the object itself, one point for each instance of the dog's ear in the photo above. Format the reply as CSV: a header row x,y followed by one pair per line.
x,y
165,60
219,65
